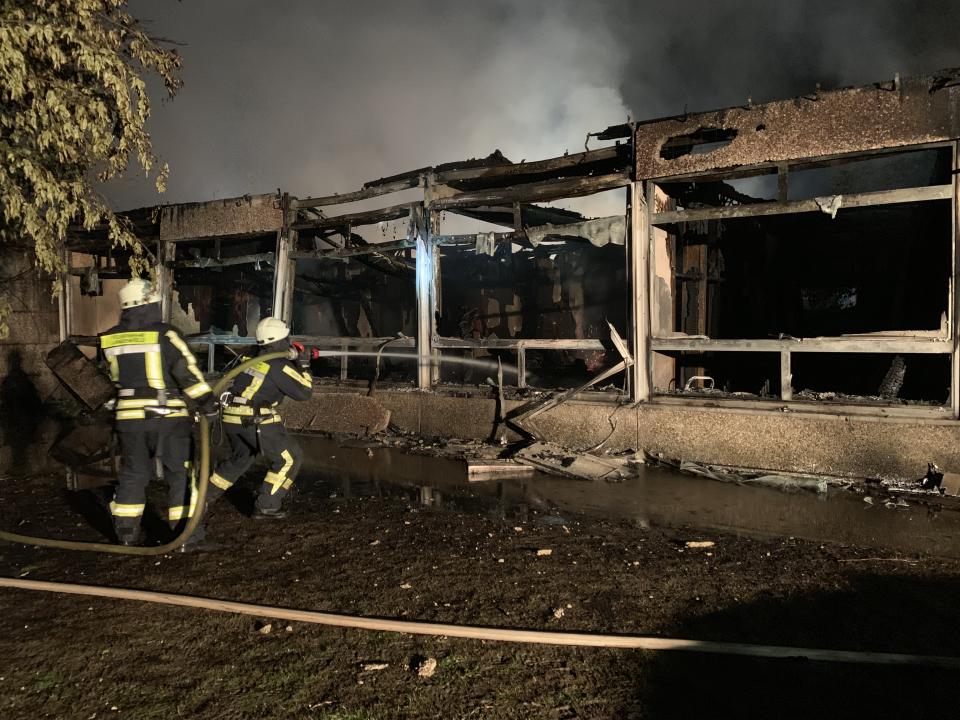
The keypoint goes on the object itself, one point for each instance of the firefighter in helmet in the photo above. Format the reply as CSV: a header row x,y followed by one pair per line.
x,y
254,427
156,376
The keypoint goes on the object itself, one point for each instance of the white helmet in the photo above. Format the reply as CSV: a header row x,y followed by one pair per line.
x,y
138,292
270,330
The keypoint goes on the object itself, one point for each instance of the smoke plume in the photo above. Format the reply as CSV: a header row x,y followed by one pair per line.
x,y
318,97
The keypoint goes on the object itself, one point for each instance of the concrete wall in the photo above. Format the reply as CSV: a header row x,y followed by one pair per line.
x,y
775,441
26,384
33,320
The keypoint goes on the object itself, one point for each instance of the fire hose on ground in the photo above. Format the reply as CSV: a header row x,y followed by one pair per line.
x,y
543,637
476,632
204,464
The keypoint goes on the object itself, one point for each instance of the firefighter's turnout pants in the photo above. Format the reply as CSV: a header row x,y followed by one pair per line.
x,y
249,438
171,441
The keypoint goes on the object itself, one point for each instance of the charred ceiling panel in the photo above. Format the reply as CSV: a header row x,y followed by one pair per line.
x,y
145,223
884,115
248,215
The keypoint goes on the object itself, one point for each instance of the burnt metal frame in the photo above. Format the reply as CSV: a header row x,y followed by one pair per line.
x,y
417,237
914,342
424,236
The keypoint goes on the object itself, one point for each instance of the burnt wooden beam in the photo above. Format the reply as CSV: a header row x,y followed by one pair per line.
x,y
530,215
615,132
533,168
353,251
369,217
471,239
494,158
205,262
364,194
534,192
412,180
103,273
883,197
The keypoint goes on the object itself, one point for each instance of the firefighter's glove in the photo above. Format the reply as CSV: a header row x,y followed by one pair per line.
x,y
209,408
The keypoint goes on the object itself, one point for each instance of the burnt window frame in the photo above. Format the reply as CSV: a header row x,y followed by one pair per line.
x,y
943,343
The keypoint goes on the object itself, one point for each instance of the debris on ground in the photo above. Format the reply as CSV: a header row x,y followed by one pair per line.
x,y
559,612
425,667
788,483
699,544
951,484
373,666
265,629
522,415
558,460
544,551
439,559
785,483
946,483
933,479
483,470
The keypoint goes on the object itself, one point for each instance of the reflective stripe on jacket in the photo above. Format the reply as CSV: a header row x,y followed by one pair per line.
x,y
259,389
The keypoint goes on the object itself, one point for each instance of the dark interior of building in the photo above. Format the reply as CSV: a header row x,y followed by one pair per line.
x,y
874,269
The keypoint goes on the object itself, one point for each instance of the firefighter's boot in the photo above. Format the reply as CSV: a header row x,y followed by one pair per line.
x,y
260,513
129,535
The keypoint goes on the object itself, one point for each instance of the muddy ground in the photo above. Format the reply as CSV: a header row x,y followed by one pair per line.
x,y
379,552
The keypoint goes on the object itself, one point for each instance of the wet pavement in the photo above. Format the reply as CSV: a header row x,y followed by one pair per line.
x,y
657,497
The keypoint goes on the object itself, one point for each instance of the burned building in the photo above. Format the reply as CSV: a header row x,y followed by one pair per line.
x,y
784,277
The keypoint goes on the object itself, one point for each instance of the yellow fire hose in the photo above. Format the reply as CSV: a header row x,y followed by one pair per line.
x,y
192,523
486,633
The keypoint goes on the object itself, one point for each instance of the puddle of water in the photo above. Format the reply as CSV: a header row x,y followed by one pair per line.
x,y
658,497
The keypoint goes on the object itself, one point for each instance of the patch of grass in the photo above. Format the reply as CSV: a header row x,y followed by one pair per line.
x,y
47,681
455,667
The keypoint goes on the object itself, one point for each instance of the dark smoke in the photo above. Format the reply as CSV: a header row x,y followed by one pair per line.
x,y
710,55
318,97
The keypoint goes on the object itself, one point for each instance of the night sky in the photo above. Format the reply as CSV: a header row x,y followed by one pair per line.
x,y
319,96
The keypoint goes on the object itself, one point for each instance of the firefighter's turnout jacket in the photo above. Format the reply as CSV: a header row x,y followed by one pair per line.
x,y
253,426
155,374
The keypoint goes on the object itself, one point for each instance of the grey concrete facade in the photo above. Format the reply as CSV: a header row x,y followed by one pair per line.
x,y
834,445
